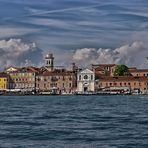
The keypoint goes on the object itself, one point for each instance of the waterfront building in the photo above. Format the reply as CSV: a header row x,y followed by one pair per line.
x,y
3,81
59,81
51,79
55,80
124,83
85,81
23,79
139,72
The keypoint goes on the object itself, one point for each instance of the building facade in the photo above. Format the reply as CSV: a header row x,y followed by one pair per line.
x,y
56,82
85,81
139,72
4,80
23,79
129,83
104,69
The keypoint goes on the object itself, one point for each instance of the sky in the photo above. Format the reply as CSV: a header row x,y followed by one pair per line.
x,y
81,31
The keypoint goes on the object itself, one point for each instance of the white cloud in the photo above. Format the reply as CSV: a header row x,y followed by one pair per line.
x,y
132,55
15,52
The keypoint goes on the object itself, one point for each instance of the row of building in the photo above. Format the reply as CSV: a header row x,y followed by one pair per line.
x,y
52,80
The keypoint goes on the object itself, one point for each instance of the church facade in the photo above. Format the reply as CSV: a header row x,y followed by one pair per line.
x,y
85,81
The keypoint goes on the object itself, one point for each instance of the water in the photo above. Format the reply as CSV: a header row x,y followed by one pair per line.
x,y
74,122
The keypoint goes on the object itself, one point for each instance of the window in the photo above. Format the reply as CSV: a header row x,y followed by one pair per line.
x,y
91,77
79,77
69,84
86,77
70,78
44,85
48,62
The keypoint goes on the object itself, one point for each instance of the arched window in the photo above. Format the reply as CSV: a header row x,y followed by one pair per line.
x,y
49,62
79,77
46,62
91,77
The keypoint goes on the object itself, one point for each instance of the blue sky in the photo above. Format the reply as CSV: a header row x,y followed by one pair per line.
x,y
62,26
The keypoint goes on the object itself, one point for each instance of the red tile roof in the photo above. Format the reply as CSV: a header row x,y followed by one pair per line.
x,y
124,78
103,65
3,75
138,70
56,73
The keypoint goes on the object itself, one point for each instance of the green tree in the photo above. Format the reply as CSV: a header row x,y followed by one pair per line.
x,y
120,70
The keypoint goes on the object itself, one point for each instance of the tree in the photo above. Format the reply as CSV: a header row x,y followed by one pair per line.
x,y
120,70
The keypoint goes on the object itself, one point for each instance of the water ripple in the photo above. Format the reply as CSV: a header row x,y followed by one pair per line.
x,y
74,122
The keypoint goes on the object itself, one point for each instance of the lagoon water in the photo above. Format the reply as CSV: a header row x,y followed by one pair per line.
x,y
74,122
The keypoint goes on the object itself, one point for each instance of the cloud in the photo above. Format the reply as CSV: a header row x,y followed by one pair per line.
x,y
15,52
72,24
7,31
78,23
134,54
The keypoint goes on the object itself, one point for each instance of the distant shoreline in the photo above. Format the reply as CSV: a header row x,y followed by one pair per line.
x,y
74,95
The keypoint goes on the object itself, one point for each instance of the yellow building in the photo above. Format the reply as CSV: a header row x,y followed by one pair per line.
x,y
3,81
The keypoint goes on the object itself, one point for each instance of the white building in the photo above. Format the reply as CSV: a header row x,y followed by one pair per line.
x,y
85,81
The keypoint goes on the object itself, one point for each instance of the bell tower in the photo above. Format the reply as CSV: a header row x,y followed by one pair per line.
x,y
49,62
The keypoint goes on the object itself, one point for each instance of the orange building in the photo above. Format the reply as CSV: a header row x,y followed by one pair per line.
x,y
56,82
132,84
139,72
104,69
